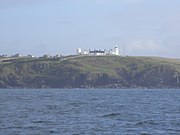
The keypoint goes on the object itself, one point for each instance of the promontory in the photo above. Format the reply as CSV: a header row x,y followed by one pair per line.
x,y
90,72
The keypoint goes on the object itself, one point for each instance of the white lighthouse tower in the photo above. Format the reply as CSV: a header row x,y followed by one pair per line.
x,y
79,51
116,50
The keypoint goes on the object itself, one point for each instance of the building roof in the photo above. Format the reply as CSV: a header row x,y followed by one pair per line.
x,y
96,51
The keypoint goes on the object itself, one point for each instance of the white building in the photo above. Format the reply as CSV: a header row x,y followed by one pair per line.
x,y
95,52
79,51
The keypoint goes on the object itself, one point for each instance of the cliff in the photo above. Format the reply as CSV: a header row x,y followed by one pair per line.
x,y
90,72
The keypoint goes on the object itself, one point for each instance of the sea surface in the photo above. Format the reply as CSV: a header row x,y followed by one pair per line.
x,y
89,112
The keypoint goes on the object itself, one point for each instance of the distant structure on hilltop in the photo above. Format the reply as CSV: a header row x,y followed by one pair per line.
x,y
96,52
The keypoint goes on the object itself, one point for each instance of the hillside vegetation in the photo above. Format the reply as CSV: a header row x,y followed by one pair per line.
x,y
90,72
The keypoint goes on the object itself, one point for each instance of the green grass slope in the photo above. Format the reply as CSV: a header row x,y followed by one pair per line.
x,y
90,71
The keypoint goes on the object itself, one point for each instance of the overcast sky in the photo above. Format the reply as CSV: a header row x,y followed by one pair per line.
x,y
144,27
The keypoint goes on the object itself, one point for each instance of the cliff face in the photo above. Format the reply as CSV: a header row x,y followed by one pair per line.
x,y
88,72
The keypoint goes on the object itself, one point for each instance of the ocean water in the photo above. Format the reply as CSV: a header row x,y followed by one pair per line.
x,y
89,112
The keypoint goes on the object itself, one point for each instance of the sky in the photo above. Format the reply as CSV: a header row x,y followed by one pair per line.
x,y
142,27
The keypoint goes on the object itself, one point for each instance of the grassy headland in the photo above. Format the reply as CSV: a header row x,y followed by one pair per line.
x,y
90,71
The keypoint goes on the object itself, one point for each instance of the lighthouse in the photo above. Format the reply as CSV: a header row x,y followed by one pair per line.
x,y
116,50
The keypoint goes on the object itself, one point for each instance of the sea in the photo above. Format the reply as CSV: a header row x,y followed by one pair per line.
x,y
89,112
